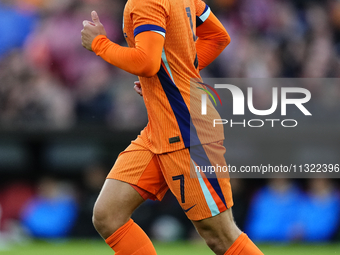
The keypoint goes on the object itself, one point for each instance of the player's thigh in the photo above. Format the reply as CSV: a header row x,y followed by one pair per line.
x,y
114,206
200,197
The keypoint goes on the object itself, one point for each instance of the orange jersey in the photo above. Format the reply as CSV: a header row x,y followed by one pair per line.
x,y
172,96
168,95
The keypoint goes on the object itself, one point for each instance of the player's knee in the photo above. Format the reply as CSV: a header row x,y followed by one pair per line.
x,y
99,218
107,220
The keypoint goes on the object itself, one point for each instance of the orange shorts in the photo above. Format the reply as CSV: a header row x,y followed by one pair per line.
x,y
200,194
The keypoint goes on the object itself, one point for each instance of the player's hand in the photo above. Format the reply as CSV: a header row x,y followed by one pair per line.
x,y
138,88
91,30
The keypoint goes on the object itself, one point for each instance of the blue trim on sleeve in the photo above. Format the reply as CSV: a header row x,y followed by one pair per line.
x,y
204,16
205,9
148,27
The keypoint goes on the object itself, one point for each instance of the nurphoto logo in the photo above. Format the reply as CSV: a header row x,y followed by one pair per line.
x,y
239,105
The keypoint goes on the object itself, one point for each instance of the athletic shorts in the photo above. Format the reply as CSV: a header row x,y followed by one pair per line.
x,y
201,193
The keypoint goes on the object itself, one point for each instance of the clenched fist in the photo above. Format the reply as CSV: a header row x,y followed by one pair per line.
x,y
138,88
91,30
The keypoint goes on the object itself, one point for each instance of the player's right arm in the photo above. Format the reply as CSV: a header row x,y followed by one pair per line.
x,y
212,36
149,19
142,60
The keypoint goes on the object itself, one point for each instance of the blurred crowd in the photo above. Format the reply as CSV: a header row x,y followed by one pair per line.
x,y
48,80
280,210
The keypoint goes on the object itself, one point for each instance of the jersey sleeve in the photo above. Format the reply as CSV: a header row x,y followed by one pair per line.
x,y
142,60
212,39
150,15
202,12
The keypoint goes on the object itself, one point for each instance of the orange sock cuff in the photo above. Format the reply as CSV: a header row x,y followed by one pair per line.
x,y
130,239
119,234
243,246
238,245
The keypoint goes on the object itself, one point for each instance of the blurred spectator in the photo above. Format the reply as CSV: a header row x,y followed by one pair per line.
x,y
94,100
32,98
15,25
280,212
274,212
50,81
129,112
55,44
52,213
12,199
320,211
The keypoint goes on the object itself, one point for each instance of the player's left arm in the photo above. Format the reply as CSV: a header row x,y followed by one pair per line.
x,y
212,39
142,60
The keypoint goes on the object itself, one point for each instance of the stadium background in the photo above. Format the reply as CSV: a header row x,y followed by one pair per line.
x,y
65,115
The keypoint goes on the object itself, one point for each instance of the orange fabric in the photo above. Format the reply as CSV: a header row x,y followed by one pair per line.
x,y
243,246
178,63
212,40
153,173
144,194
130,239
143,60
148,12
200,6
137,165
171,97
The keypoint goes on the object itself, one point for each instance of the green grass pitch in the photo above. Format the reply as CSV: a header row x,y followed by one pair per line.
x,y
90,247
